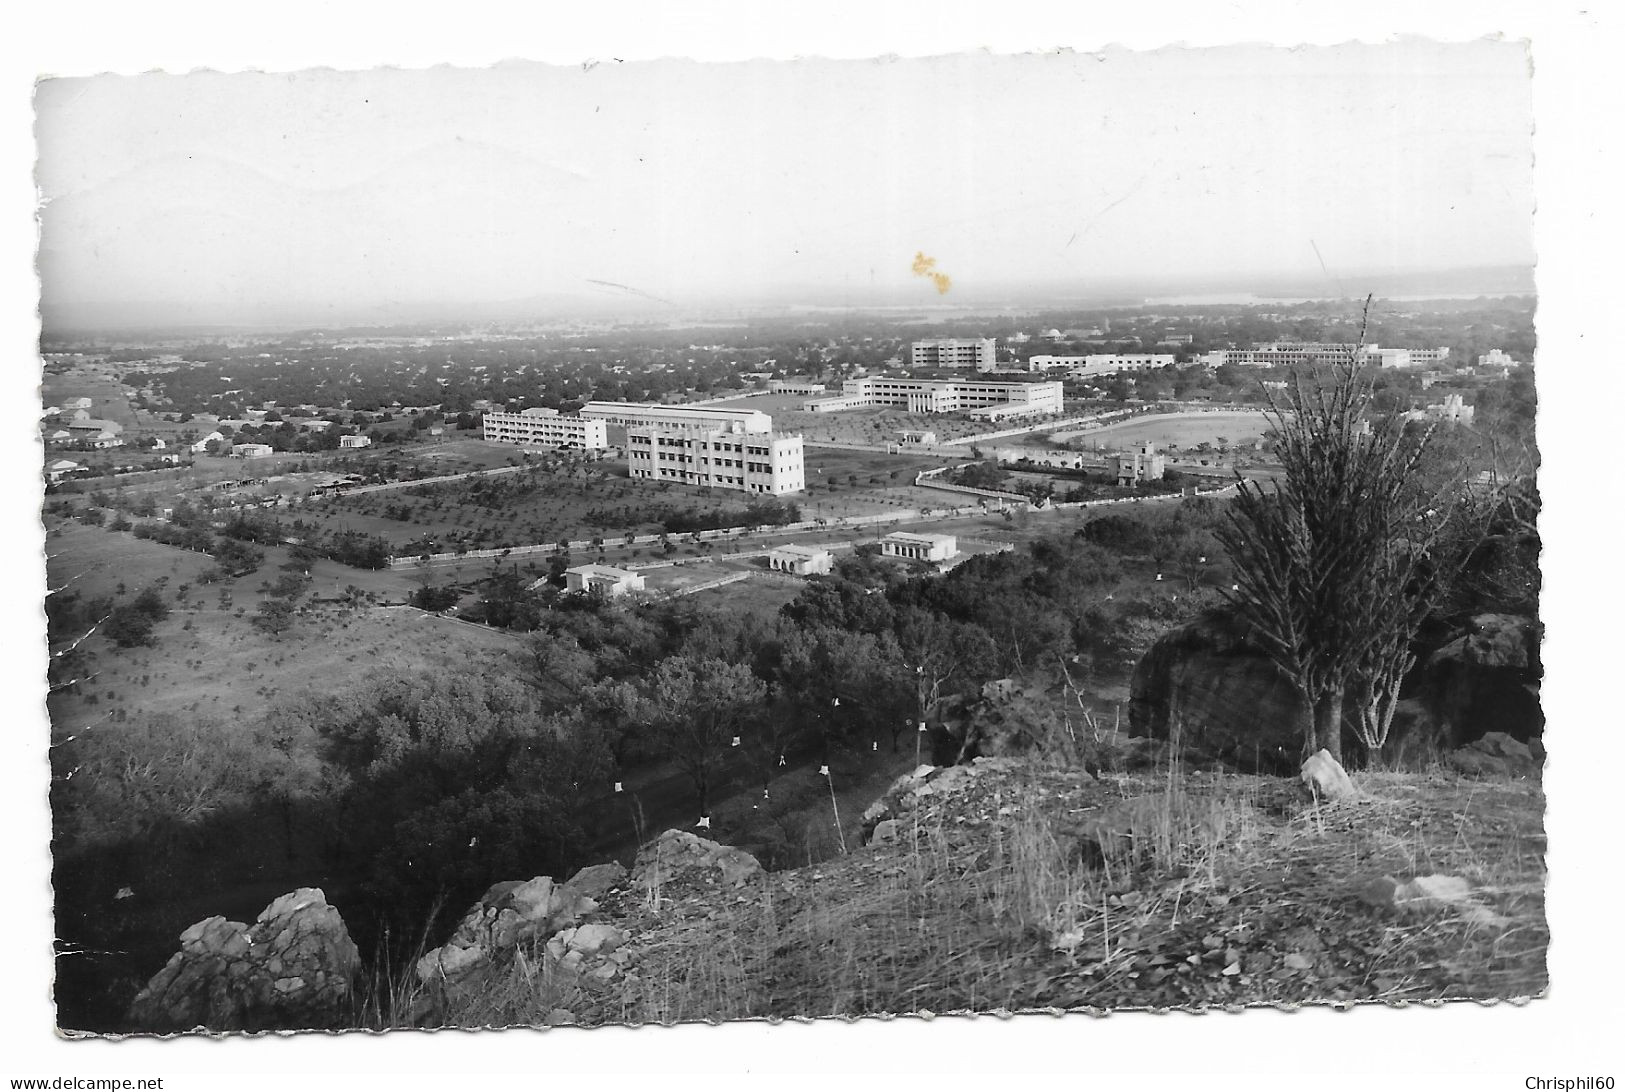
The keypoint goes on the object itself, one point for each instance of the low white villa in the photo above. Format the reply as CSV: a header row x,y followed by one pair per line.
x,y
605,578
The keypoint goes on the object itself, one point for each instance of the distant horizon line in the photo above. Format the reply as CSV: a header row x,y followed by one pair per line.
x,y
60,320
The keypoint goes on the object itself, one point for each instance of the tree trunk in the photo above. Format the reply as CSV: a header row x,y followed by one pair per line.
x,y
1329,723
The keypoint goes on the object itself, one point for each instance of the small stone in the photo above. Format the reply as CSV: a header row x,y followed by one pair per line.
x,y
1326,779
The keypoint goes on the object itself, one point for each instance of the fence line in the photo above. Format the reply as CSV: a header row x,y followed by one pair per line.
x,y
721,581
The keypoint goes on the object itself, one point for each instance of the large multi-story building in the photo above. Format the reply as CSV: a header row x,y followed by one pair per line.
x,y
1296,353
691,418
542,427
1048,363
980,353
989,399
1112,363
750,462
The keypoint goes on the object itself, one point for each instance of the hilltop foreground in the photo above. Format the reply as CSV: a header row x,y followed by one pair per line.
x,y
1006,886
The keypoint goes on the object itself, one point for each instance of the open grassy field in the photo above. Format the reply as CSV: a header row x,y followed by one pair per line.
x,y
1168,430
209,661
98,384
94,562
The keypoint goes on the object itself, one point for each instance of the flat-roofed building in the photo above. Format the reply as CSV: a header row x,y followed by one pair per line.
x,y
1298,353
1114,363
1045,362
801,560
1143,464
980,353
355,441
543,427
796,386
693,418
916,547
770,463
1005,397
603,579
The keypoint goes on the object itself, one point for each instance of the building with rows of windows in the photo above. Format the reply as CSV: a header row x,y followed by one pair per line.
x,y
693,418
1298,353
954,352
749,462
988,399
541,427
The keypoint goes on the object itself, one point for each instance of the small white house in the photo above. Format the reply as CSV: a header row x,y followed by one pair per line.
x,y
801,560
355,441
61,469
252,451
612,582
203,444
906,544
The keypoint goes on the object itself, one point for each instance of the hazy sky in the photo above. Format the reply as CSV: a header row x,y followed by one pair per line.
x,y
321,193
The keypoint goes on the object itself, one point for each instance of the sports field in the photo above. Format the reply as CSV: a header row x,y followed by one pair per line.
x,y
1175,430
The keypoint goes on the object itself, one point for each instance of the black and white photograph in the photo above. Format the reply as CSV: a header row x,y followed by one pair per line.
x,y
660,540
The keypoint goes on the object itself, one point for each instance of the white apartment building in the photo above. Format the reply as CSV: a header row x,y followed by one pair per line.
x,y
985,399
919,547
1452,411
543,427
1143,464
749,462
954,352
1296,353
1112,363
694,418
1046,363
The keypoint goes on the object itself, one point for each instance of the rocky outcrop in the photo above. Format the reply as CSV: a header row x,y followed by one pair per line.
x,y
559,928
680,855
293,969
1208,684
1496,755
904,797
507,915
1485,678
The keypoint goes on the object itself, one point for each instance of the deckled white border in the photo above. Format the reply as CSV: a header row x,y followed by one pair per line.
x,y
1571,1034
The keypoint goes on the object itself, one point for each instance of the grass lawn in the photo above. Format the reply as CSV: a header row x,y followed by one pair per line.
x,y
211,663
1185,430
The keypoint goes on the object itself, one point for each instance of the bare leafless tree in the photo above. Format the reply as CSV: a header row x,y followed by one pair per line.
x,y
1338,562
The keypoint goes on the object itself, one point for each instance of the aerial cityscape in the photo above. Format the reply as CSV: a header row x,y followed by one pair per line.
x,y
532,547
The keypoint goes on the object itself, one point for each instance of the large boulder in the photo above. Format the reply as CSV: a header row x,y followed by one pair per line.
x,y
507,915
481,949
1495,755
1484,678
1211,687
679,855
293,969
